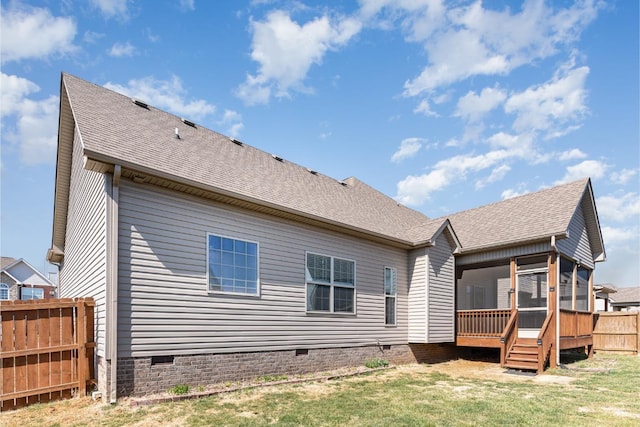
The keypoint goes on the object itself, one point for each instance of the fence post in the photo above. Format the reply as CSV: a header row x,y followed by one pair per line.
x,y
638,334
82,346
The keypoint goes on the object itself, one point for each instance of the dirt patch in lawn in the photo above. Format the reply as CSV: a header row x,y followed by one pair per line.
x,y
84,411
484,370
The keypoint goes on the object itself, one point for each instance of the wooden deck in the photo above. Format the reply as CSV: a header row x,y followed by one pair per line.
x,y
498,329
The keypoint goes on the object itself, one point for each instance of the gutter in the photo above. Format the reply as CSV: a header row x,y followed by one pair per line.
x,y
111,326
517,242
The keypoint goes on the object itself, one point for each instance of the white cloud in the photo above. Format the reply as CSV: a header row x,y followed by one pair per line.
x,y
165,94
408,148
514,192
112,8
36,122
425,108
473,107
415,190
92,37
419,18
233,121
619,207
622,177
33,33
593,169
614,236
550,106
14,90
572,154
119,50
285,51
186,5
497,174
37,130
479,41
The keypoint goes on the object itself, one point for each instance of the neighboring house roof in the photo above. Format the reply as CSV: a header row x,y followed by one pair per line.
x,y
5,261
605,288
528,218
23,273
113,130
626,296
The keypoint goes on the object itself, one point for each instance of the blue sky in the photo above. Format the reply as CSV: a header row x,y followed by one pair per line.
x,y
442,105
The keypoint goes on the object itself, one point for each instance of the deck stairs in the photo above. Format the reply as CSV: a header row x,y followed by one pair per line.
x,y
523,355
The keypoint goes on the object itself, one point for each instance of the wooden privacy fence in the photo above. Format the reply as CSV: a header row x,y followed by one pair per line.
x,y
617,332
47,350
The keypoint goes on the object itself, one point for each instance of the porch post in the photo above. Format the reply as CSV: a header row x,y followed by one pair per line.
x,y
592,309
513,283
553,307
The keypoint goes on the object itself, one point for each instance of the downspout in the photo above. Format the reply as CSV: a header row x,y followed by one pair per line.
x,y
112,283
557,313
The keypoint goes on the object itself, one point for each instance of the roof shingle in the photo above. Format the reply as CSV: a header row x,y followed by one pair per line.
x,y
115,129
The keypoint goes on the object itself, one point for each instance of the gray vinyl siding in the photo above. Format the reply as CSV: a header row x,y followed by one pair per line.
x,y
164,307
441,292
576,246
83,271
417,296
500,254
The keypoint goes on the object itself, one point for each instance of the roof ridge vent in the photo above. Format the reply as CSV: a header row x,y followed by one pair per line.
x,y
237,142
188,122
311,171
140,103
278,158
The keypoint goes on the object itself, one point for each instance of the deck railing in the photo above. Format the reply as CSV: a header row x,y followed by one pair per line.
x,y
508,337
545,341
575,324
482,323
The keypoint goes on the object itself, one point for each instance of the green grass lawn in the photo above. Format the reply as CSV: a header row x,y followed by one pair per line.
x,y
597,392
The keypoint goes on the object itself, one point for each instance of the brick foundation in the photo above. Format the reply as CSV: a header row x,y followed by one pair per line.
x,y
146,375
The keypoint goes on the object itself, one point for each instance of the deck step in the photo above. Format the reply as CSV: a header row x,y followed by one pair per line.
x,y
521,358
522,366
523,355
524,351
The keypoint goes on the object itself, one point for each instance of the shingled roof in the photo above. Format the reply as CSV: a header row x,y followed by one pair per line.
x,y
115,130
531,217
142,140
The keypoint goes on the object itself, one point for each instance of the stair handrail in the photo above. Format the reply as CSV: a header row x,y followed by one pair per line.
x,y
508,337
545,341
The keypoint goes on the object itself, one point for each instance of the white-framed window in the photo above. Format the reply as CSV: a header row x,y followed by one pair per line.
x,y
4,291
31,293
390,295
331,284
232,265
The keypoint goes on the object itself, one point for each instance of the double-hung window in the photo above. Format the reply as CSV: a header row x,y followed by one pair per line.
x,y
331,284
4,291
390,294
232,265
31,293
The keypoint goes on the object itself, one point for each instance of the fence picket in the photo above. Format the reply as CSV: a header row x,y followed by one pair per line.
x,y
44,350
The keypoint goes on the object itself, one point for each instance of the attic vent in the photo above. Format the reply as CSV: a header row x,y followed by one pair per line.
x,y
188,123
280,159
140,103
311,171
235,141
